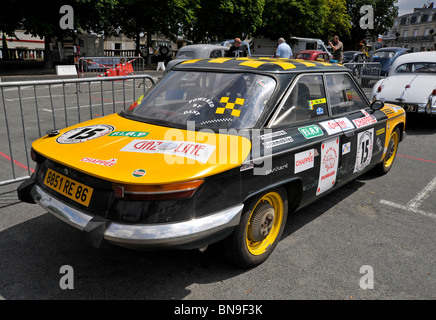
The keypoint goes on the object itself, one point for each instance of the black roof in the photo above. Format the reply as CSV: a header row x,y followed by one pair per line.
x,y
260,64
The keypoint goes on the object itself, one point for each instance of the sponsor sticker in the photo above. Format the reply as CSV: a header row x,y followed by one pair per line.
x,y
278,142
319,111
133,134
337,125
83,134
367,120
364,149
310,132
272,135
106,163
304,160
328,166
138,173
346,148
380,131
197,151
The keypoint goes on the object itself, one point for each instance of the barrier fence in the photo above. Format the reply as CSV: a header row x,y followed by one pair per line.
x,y
110,66
365,72
30,108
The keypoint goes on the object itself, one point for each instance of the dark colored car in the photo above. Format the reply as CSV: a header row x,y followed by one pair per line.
x,y
313,55
386,56
354,57
219,149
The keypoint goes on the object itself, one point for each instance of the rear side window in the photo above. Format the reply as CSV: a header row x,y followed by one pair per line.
x,y
344,97
306,101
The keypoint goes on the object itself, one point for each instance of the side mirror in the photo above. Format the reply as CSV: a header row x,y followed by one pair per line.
x,y
377,105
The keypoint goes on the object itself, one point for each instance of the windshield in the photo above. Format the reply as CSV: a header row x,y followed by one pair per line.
x,y
383,55
212,100
417,67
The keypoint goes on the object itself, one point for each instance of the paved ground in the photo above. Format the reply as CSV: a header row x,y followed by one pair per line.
x,y
381,224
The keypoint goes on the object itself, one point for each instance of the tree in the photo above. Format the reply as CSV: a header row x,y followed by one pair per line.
x,y
162,17
384,15
224,19
336,21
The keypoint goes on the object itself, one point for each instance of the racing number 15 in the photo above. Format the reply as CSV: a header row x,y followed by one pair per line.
x,y
85,133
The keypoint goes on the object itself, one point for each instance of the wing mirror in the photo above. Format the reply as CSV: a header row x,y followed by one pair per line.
x,y
377,105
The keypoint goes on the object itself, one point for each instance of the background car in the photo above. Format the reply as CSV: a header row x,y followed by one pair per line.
x,y
386,56
313,55
411,83
354,57
197,51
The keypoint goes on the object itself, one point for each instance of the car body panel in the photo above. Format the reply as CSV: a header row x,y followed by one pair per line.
x,y
386,56
160,150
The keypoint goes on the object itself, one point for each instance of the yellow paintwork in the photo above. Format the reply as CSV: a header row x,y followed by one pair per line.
x,y
105,160
396,115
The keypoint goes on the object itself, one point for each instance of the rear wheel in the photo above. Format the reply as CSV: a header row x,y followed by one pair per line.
x,y
260,229
391,153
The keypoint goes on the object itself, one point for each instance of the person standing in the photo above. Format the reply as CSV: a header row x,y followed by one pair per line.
x,y
338,49
237,50
283,50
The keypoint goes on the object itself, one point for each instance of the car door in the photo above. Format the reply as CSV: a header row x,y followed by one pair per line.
x,y
364,129
300,142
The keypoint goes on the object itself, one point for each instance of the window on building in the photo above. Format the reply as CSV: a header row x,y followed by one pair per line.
x,y
413,19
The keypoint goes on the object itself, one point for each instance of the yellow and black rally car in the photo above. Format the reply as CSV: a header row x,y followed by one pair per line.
x,y
218,149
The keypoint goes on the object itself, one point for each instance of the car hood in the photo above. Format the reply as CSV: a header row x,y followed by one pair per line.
x,y
394,88
142,153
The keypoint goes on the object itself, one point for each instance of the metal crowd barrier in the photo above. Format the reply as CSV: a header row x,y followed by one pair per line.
x,y
110,66
30,108
365,72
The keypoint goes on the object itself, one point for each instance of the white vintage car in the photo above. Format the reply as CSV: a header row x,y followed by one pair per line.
x,y
411,83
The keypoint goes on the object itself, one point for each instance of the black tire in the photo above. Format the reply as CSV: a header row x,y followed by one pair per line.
x,y
391,153
260,229
164,50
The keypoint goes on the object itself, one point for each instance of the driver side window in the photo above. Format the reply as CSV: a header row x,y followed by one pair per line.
x,y
307,101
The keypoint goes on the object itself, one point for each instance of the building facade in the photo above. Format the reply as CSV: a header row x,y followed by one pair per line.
x,y
415,30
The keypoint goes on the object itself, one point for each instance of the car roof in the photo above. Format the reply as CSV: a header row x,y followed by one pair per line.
x,y
392,49
202,46
427,56
260,64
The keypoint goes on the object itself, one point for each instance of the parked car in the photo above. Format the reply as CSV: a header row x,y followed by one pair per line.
x,y
197,51
354,57
313,55
218,150
411,83
386,56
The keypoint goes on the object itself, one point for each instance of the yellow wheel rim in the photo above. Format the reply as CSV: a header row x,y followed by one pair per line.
x,y
392,149
260,247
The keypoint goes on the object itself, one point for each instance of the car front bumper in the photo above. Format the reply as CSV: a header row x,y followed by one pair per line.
x,y
195,233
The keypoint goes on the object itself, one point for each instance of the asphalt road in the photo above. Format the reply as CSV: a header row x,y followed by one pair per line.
x,y
384,224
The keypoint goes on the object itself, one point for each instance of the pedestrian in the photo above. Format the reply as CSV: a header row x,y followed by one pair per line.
x,y
237,50
283,50
338,49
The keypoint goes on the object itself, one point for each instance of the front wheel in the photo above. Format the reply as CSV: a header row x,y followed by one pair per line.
x,y
391,153
260,229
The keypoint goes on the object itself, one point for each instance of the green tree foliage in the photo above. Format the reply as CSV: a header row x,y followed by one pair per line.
x,y
224,19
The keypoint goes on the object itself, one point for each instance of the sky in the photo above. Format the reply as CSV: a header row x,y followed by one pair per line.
x,y
406,6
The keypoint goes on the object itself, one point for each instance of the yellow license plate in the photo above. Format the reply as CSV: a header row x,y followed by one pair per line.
x,y
68,187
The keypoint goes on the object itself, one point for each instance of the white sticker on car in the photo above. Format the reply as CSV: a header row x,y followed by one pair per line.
x,y
83,134
304,160
364,149
329,165
337,125
192,150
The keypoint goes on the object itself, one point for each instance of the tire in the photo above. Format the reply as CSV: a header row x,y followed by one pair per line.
x,y
391,153
164,50
261,227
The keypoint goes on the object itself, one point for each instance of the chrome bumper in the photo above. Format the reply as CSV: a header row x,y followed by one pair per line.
x,y
145,236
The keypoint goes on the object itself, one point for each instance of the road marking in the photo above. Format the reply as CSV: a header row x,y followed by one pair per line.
x,y
410,209
422,195
408,157
413,205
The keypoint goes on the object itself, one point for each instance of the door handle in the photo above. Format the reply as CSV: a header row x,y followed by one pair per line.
x,y
349,133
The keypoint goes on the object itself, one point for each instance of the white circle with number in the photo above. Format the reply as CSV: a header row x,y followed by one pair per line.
x,y
83,134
